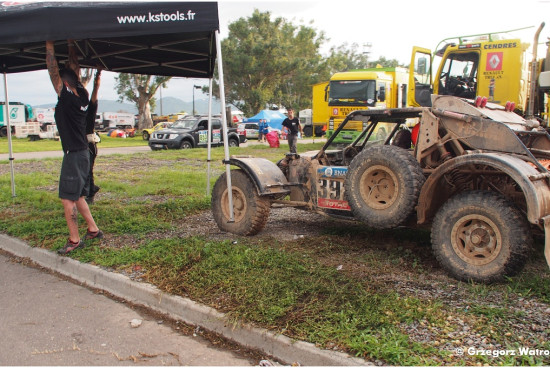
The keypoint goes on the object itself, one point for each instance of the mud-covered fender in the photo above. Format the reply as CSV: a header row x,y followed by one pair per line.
x,y
533,184
266,176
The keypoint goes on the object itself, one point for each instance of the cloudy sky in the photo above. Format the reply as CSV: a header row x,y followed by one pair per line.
x,y
391,27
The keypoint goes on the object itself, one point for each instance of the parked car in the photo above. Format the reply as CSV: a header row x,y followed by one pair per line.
x,y
249,130
147,132
192,132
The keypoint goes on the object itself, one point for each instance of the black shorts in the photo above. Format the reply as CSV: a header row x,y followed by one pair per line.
x,y
73,181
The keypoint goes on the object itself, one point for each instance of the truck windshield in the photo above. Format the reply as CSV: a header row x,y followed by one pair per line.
x,y
184,124
352,93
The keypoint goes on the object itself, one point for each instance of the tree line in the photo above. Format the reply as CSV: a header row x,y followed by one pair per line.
x,y
266,62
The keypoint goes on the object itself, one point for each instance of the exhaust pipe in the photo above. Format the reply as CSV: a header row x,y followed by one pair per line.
x,y
533,81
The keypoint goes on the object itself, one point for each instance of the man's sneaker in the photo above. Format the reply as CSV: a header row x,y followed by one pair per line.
x,y
97,235
70,246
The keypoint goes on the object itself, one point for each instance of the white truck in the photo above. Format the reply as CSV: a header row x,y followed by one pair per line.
x,y
45,116
113,120
28,123
19,114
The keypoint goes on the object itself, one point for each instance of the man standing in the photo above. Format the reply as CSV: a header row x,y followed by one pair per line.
x,y
262,130
70,118
293,126
93,138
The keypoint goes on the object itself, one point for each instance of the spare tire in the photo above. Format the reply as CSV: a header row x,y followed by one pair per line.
x,y
382,186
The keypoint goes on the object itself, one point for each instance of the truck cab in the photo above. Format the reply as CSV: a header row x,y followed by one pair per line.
x,y
471,66
374,88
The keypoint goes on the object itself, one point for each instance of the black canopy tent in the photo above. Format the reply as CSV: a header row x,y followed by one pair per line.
x,y
170,38
157,38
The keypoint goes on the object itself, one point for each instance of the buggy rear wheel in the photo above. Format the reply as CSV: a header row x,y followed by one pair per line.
x,y
480,236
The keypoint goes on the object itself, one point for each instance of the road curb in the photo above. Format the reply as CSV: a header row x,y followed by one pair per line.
x,y
280,347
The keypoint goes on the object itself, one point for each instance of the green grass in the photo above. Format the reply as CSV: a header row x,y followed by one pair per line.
x,y
291,287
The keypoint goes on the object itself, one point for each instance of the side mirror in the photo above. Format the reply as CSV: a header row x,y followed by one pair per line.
x,y
421,66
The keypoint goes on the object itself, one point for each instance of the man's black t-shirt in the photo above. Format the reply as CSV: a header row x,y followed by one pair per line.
x,y
292,125
70,118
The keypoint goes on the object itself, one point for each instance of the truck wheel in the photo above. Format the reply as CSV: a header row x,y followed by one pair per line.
x,y
185,144
480,236
382,186
308,131
233,143
3,132
146,136
249,209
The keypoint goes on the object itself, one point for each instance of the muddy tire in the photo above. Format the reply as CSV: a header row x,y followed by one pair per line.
x,y
382,186
250,210
480,236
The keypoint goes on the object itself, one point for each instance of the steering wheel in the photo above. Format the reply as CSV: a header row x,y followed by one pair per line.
x,y
443,78
349,152
456,86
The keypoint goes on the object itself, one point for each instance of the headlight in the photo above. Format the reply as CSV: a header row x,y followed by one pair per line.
x,y
173,136
331,124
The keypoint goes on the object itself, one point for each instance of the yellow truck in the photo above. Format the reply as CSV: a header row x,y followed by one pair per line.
x,y
485,66
373,88
319,114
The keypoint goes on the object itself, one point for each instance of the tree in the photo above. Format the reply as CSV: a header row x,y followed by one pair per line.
x,y
270,61
140,89
348,57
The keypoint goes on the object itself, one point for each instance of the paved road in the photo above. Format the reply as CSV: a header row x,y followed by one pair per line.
x,y
47,321
59,153
123,150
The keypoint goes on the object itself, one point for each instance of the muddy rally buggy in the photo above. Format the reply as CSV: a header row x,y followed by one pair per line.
x,y
477,173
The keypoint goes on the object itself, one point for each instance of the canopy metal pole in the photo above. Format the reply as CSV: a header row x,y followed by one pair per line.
x,y
8,125
224,129
209,158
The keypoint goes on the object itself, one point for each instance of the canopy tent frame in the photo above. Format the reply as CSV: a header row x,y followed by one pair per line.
x,y
8,126
184,49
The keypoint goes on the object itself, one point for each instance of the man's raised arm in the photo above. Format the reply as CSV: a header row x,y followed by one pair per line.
x,y
53,68
73,58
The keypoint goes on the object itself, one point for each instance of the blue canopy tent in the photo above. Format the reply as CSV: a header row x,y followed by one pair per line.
x,y
274,118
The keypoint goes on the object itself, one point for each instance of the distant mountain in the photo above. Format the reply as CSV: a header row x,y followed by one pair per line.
x,y
103,106
170,105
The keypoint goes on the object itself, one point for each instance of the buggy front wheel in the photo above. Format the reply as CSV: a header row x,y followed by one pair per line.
x,y
249,209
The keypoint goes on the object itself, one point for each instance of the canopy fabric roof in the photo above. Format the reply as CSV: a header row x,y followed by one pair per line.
x,y
274,118
156,38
